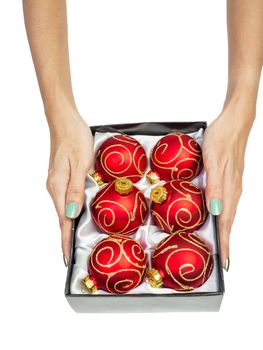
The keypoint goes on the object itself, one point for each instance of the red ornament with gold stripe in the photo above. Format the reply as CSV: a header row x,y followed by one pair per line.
x,y
182,262
176,156
119,156
117,264
119,207
178,206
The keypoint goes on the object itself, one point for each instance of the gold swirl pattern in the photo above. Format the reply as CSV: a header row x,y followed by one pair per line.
x,y
183,211
121,156
117,264
115,213
184,261
176,156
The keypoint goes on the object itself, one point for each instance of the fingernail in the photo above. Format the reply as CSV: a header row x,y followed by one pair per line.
x,y
215,206
72,210
65,259
227,264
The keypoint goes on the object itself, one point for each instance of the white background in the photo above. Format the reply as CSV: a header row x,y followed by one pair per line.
x,y
131,61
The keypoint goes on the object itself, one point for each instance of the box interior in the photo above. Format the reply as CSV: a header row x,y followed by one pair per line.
x,y
86,234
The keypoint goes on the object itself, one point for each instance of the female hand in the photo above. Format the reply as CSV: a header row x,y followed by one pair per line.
x,y
223,153
71,156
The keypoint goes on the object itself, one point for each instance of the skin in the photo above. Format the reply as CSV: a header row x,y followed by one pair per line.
x,y
71,142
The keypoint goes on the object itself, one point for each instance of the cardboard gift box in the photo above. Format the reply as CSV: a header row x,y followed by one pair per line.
x,y
85,235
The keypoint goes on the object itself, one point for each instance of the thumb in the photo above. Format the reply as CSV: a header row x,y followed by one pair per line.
x,y
75,193
214,188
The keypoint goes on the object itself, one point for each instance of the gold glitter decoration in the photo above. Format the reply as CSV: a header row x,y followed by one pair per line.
x,y
154,278
123,185
153,177
97,178
159,194
89,285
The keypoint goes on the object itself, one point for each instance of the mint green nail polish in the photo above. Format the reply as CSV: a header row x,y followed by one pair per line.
x,y
215,206
72,210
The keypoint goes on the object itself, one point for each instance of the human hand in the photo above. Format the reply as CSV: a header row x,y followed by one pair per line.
x,y
71,156
223,154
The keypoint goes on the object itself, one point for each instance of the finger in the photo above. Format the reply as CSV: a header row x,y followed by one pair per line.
x,y
232,192
57,185
75,192
66,237
214,185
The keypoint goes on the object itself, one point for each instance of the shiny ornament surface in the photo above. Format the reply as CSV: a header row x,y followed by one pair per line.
x,y
119,207
120,156
176,156
182,262
178,206
117,264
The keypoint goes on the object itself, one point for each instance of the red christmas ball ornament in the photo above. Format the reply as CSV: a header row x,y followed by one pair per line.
x,y
119,207
119,156
176,156
182,262
178,206
117,264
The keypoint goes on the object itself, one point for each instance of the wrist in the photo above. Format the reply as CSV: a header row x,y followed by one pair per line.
x,y
243,86
239,113
59,108
60,112
62,121
58,100
240,103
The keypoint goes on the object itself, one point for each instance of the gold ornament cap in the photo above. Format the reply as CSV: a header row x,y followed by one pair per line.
x,y
153,177
98,178
159,194
154,278
89,284
123,185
